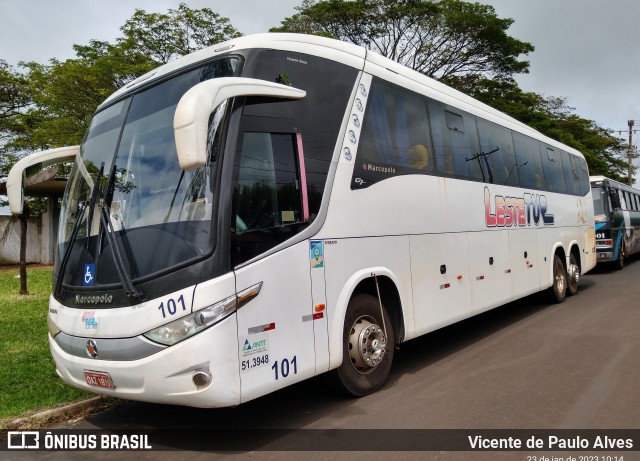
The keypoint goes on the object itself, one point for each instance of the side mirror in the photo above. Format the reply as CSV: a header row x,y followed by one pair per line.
x,y
45,158
191,119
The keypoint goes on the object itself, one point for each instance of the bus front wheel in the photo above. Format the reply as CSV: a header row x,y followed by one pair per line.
x,y
368,345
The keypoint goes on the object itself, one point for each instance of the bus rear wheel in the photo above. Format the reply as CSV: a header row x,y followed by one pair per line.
x,y
559,287
620,261
573,276
368,345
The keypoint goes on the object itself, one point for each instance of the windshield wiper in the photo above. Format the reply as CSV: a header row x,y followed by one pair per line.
x,y
107,228
92,202
76,228
67,250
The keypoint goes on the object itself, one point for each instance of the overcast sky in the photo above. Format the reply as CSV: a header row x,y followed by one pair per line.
x,y
586,50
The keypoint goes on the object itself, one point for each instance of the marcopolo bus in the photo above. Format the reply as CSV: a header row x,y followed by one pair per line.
x,y
280,206
616,207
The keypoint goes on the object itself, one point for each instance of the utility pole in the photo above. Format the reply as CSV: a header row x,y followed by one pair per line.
x,y
630,154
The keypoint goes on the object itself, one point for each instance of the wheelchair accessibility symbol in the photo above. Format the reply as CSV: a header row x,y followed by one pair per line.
x,y
88,278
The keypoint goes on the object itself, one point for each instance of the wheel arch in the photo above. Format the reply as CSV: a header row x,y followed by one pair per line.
x,y
574,249
363,282
558,250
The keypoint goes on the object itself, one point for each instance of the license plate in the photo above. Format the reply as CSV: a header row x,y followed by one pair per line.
x,y
98,379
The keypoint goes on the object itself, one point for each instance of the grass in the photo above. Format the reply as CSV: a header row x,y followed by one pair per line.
x,y
28,380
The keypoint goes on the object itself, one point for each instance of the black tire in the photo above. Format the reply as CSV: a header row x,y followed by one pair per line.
x,y
619,264
572,284
559,288
363,323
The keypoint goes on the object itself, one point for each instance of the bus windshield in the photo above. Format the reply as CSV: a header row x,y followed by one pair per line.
x,y
128,167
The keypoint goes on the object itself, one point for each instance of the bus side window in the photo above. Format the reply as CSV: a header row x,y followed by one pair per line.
x,y
455,133
624,200
583,175
571,177
499,160
614,197
395,137
553,170
529,162
455,142
396,129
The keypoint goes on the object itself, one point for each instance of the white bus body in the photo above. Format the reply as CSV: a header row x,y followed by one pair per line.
x,y
339,186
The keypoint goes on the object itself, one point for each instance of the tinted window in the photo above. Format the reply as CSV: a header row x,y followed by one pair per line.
x,y
395,136
267,190
529,162
317,116
455,142
621,202
553,169
499,160
267,193
583,174
396,130
571,173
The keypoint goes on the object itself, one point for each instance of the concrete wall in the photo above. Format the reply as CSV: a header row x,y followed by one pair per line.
x,y
41,233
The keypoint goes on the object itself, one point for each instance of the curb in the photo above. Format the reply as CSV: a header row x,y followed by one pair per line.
x,y
65,410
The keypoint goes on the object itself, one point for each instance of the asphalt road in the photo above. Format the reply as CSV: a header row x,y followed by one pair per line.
x,y
526,365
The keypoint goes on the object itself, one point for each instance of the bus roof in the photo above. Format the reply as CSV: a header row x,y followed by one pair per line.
x,y
618,184
348,54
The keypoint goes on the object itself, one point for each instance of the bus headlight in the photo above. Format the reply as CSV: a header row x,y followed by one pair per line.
x,y
53,328
185,327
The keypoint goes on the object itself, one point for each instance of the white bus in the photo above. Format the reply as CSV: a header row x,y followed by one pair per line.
x,y
280,206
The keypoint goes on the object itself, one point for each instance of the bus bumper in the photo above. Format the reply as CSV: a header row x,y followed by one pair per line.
x,y
604,255
166,376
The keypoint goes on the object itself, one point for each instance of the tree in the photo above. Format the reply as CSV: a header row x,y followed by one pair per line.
x,y
464,45
51,105
437,38
163,37
14,97
66,93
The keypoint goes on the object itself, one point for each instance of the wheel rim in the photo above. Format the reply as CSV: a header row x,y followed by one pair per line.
x,y
560,278
367,344
574,274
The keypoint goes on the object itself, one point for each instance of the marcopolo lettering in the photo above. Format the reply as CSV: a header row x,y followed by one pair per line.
x,y
96,299
530,209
